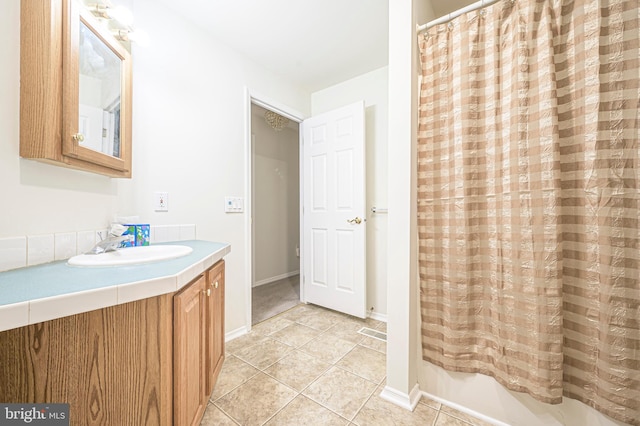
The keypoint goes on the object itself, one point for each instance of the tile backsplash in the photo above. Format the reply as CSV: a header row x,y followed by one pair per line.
x,y
13,253
18,252
40,249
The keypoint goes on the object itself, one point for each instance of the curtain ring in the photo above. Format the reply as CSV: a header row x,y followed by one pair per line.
x,y
450,26
483,13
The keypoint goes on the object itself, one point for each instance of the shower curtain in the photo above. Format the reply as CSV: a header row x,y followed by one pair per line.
x,y
529,196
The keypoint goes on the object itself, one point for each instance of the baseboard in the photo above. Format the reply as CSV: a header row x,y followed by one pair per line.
x,y
465,410
377,316
235,333
406,401
276,278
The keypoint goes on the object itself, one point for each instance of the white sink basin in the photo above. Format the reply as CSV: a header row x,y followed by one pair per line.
x,y
131,256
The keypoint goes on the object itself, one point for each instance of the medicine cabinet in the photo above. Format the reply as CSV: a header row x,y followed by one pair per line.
x,y
75,89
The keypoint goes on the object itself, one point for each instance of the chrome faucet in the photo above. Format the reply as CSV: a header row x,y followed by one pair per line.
x,y
111,243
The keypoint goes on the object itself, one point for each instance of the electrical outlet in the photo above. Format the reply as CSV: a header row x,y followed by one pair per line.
x,y
161,201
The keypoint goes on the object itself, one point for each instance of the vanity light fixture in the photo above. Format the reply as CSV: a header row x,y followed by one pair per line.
x,y
138,36
119,20
275,120
119,13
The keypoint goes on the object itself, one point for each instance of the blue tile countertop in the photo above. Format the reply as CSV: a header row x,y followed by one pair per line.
x,y
54,290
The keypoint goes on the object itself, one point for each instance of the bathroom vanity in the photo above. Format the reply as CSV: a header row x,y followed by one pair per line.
x,y
150,355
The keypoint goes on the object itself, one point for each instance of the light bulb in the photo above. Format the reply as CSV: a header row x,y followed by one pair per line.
x,y
121,14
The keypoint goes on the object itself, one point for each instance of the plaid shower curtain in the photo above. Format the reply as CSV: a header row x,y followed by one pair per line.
x,y
529,197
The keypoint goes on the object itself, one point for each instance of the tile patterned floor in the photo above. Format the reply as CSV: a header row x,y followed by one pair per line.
x,y
310,366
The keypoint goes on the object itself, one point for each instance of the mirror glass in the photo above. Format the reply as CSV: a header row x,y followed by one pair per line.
x,y
100,93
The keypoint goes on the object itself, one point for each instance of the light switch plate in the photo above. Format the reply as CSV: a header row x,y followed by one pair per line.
x,y
233,204
161,201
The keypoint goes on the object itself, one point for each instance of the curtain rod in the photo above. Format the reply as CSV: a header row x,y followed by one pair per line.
x,y
446,18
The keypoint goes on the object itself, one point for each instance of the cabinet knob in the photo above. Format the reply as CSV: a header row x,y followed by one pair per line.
x,y
78,137
216,285
208,292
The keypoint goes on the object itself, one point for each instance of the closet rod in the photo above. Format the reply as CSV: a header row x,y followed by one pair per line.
x,y
446,18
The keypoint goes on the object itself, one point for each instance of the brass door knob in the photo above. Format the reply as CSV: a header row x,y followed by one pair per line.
x,y
216,286
357,221
78,137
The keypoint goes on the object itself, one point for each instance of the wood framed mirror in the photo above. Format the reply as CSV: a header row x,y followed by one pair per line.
x,y
96,92
75,89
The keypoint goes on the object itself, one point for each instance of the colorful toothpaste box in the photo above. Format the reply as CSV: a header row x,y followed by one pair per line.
x,y
140,233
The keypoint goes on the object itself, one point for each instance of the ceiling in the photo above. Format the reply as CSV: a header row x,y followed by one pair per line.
x,y
314,43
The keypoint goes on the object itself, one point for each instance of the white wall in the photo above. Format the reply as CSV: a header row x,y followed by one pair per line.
x,y
188,139
276,204
38,198
402,291
189,135
371,87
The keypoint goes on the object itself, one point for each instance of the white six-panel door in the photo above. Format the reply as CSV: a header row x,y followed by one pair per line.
x,y
334,228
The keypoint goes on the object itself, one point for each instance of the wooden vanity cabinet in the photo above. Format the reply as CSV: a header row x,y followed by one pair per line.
x,y
113,366
215,324
198,344
149,362
189,352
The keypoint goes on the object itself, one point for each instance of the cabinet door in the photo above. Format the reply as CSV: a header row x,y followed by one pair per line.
x,y
52,66
112,365
190,310
215,325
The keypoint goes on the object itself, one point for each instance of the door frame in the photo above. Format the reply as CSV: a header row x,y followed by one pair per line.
x,y
252,97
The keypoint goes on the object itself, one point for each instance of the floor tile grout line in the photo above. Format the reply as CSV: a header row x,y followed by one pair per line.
x,y
236,387
278,411
363,404
356,374
305,388
312,338
300,393
269,365
435,419
311,398
233,419
328,408
457,417
332,330
335,364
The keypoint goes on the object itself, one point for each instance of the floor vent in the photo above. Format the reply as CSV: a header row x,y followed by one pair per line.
x,y
373,333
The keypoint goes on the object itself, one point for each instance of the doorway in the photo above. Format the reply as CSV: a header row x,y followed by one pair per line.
x,y
275,213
